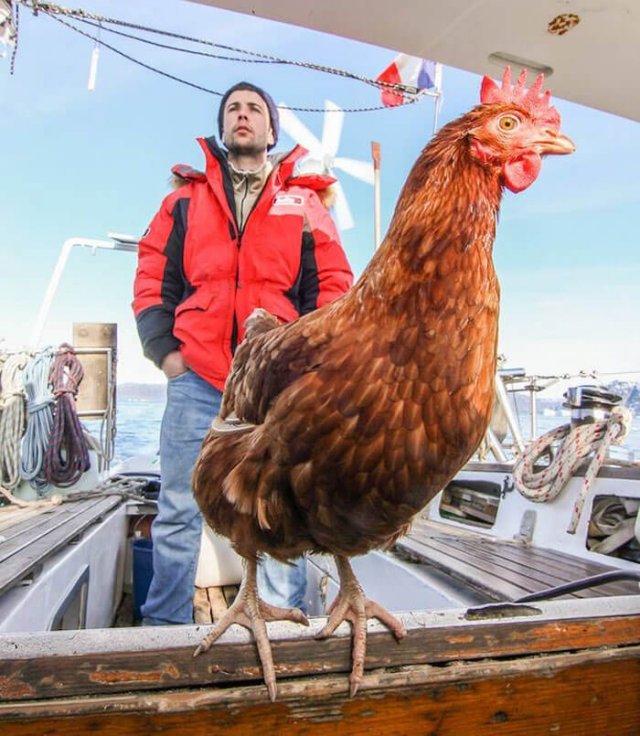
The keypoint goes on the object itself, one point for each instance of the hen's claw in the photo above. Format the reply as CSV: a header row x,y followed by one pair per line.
x,y
249,611
352,605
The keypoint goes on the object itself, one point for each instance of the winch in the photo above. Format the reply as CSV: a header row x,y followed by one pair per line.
x,y
589,403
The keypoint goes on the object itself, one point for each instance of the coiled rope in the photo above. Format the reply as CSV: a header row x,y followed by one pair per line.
x,y
39,420
67,455
576,443
12,419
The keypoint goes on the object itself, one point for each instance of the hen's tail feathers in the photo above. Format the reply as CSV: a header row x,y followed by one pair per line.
x,y
255,484
220,453
234,470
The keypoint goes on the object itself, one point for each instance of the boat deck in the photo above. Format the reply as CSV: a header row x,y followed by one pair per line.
x,y
28,536
501,570
210,604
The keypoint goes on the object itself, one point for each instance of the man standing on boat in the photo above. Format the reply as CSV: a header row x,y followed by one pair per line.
x,y
246,233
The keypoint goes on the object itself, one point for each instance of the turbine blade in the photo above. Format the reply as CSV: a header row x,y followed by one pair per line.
x,y
296,129
332,128
362,170
342,209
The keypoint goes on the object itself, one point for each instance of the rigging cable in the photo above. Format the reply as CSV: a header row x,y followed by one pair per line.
x,y
12,419
410,94
67,455
39,419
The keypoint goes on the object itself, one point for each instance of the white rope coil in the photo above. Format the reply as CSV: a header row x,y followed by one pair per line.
x,y
12,419
39,419
576,443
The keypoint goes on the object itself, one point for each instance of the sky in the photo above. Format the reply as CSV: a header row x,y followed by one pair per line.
x,y
79,163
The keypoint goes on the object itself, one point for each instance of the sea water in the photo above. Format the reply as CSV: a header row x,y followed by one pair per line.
x,y
138,428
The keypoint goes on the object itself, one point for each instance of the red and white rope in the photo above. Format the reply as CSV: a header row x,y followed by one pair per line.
x,y
540,485
67,454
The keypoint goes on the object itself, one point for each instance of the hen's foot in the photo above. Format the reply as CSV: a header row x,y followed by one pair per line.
x,y
352,605
249,611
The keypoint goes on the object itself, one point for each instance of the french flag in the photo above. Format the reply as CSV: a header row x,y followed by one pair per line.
x,y
410,72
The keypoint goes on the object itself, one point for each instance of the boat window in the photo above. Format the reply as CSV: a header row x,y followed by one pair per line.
x,y
471,502
614,527
72,612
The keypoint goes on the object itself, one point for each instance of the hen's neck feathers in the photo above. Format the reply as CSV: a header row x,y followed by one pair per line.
x,y
448,208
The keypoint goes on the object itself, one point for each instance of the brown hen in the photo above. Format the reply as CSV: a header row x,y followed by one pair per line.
x,y
356,415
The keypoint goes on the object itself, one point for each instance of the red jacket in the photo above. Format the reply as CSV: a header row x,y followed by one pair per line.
x,y
199,278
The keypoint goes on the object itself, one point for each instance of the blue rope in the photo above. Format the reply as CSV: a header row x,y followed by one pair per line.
x,y
39,419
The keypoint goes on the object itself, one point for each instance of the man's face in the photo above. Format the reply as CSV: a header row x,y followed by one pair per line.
x,y
246,126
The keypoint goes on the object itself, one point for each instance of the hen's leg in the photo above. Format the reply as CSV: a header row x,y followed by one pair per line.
x,y
352,605
249,611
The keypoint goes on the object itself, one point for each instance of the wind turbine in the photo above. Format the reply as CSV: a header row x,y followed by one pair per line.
x,y
323,154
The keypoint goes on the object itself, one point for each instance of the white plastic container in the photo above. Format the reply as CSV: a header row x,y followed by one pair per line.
x,y
218,563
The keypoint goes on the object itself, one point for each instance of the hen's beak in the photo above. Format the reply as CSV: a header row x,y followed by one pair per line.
x,y
550,143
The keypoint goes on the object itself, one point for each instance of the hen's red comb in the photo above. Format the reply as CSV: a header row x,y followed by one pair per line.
x,y
532,100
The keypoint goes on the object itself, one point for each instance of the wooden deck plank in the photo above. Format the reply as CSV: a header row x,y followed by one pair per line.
x,y
230,592
552,559
210,604
504,570
19,560
475,567
11,515
554,562
463,569
29,528
492,562
201,607
525,562
25,533
217,603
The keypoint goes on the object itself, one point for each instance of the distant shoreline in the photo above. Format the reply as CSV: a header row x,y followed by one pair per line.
x,y
141,391
630,390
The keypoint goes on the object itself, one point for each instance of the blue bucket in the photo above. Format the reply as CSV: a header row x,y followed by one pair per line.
x,y
142,573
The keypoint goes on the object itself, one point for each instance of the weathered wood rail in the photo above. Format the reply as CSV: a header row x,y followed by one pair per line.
x,y
567,667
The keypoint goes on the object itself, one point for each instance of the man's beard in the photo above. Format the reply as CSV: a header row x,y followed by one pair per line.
x,y
253,148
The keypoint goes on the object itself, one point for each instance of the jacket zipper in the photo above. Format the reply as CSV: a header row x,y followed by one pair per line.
x,y
242,201
234,327
241,228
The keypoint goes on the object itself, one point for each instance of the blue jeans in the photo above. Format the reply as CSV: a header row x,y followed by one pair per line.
x,y
192,404
283,584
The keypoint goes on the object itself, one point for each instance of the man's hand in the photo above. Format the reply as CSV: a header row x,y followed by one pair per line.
x,y
173,364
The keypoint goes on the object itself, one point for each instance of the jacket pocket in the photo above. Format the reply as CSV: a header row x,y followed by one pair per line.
x,y
201,300
200,320
179,377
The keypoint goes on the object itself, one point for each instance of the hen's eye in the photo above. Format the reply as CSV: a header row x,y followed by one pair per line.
x,y
508,122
